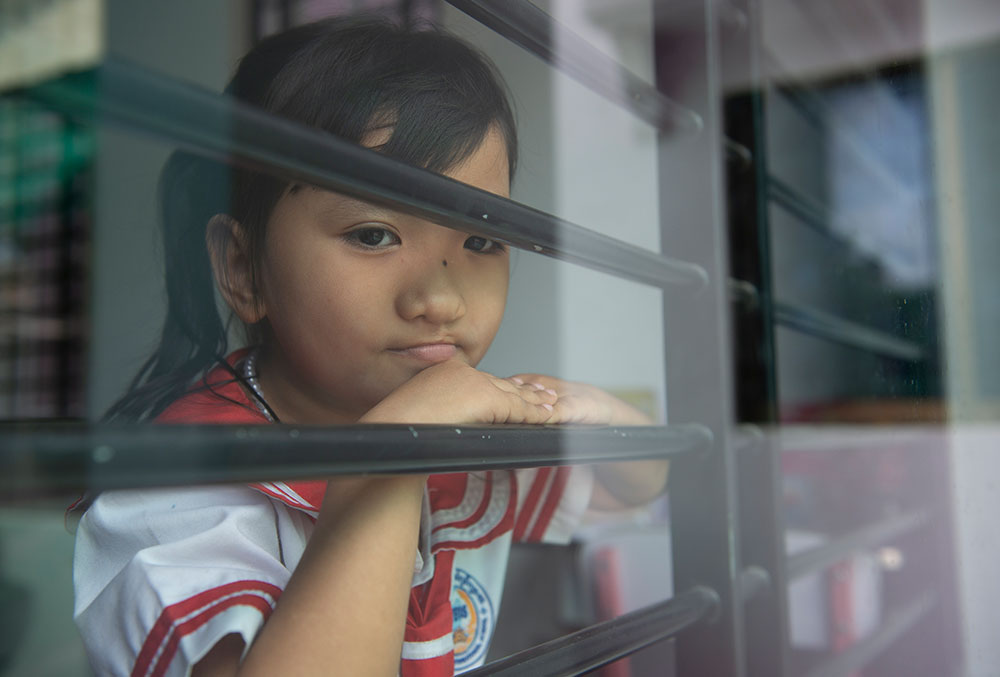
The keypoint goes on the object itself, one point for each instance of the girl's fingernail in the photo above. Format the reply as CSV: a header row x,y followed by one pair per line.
x,y
548,406
516,380
538,386
550,391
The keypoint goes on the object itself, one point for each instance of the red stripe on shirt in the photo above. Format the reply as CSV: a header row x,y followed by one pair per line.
x,y
173,613
428,617
274,492
503,525
528,509
484,503
551,503
189,626
447,491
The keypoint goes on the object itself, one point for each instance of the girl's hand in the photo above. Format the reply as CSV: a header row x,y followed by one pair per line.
x,y
619,485
452,392
583,403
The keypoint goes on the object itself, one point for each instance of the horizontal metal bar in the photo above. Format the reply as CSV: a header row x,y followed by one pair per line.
x,y
748,438
754,580
537,32
872,536
219,127
851,334
831,122
739,154
64,457
865,651
807,102
605,642
743,293
808,210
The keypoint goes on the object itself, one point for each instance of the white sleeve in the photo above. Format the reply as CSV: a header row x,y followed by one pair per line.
x,y
162,575
551,503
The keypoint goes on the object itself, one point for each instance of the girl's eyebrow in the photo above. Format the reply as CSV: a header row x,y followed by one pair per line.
x,y
341,204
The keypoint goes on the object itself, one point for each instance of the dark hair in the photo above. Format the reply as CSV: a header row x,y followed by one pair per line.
x,y
347,76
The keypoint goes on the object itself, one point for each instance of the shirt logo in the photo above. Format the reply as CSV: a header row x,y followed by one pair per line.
x,y
472,620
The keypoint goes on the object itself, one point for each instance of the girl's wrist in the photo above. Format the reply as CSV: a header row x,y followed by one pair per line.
x,y
343,492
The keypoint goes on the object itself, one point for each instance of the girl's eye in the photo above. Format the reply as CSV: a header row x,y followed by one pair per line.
x,y
373,238
484,245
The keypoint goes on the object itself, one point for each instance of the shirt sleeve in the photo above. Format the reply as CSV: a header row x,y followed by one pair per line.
x,y
551,503
162,575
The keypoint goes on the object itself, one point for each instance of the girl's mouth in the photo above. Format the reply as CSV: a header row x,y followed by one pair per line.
x,y
429,352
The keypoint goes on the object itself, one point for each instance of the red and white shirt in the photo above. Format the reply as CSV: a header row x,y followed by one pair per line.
x,y
162,575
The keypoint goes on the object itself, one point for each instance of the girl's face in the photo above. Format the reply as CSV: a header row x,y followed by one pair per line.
x,y
359,298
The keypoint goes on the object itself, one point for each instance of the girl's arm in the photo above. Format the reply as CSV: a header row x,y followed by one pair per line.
x,y
344,608
619,485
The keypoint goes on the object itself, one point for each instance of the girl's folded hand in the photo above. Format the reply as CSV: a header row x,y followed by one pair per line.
x,y
583,403
452,392
619,485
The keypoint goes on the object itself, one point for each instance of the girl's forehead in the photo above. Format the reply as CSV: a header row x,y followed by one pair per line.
x,y
486,167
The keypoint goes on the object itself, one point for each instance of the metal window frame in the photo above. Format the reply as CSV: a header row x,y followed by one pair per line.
x,y
37,458
227,131
727,588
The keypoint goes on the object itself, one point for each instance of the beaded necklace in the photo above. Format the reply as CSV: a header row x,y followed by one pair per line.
x,y
250,378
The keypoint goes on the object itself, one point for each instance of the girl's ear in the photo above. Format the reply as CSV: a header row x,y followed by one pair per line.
x,y
232,266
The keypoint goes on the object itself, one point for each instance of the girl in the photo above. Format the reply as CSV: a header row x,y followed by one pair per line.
x,y
357,314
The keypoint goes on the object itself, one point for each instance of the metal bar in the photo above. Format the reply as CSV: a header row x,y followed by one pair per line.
x,y
605,642
763,581
864,652
218,127
871,536
829,121
704,499
851,334
537,32
54,457
805,208
754,581
811,212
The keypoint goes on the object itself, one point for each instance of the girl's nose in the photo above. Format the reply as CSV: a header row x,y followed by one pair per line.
x,y
434,295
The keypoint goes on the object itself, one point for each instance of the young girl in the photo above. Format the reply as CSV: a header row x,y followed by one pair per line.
x,y
356,313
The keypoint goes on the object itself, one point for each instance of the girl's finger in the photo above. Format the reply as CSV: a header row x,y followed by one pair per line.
x,y
527,407
535,392
532,392
526,412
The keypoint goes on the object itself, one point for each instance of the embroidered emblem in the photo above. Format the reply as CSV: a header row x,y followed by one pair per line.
x,y
472,620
